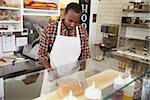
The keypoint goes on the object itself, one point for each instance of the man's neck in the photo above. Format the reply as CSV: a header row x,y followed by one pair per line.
x,y
69,30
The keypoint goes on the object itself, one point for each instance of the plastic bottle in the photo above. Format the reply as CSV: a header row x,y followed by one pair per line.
x,y
70,96
92,93
129,90
118,83
127,72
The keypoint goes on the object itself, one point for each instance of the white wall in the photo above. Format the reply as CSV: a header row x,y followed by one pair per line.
x,y
93,25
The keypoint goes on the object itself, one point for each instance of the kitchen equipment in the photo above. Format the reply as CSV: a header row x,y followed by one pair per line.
x,y
31,52
22,87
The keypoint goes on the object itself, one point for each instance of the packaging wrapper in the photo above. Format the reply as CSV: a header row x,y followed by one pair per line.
x,y
75,82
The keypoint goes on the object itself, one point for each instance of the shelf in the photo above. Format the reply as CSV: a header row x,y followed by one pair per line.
x,y
132,56
136,2
113,35
39,12
135,25
11,30
10,8
134,38
136,10
16,10
10,21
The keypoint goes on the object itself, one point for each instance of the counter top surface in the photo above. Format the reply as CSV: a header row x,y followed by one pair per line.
x,y
12,70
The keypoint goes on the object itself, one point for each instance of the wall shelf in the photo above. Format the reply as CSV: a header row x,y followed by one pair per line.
x,y
40,12
10,21
132,46
136,10
134,38
135,25
44,10
13,20
10,8
132,56
11,30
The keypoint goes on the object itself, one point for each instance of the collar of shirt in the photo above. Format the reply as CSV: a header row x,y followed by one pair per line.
x,y
65,31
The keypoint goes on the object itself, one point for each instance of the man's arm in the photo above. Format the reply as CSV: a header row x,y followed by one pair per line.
x,y
43,51
46,42
85,51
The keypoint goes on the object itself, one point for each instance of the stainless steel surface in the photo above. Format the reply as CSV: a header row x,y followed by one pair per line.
x,y
17,89
11,70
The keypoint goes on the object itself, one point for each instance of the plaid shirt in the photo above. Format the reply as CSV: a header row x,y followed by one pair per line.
x,y
49,35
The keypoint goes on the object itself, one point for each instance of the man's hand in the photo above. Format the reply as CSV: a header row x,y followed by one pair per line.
x,y
81,69
46,64
49,69
82,65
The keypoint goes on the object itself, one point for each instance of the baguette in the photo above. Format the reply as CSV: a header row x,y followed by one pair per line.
x,y
38,2
27,2
53,5
44,5
39,5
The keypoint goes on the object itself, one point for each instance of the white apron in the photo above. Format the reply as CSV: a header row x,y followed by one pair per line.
x,y
65,53
63,58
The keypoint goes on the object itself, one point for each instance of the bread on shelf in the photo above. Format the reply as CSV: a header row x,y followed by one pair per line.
x,y
27,2
40,5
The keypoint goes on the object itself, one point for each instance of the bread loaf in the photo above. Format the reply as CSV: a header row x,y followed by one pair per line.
x,y
53,5
27,2
43,5
39,5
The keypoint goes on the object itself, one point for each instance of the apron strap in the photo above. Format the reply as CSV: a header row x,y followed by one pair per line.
x,y
77,32
59,28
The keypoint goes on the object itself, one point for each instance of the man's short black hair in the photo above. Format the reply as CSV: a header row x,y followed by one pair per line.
x,y
74,6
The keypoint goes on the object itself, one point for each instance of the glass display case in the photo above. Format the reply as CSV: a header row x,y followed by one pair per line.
x,y
104,82
136,89
132,89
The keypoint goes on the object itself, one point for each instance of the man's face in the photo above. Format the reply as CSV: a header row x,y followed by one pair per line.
x,y
71,19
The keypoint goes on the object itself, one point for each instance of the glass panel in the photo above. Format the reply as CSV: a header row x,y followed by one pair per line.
x,y
141,92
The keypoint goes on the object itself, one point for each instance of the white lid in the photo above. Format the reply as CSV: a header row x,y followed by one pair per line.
x,y
119,80
92,92
70,96
139,1
128,80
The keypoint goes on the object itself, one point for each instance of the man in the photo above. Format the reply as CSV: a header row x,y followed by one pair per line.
x,y
66,42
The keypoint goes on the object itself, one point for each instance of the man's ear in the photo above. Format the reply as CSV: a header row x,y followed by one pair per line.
x,y
65,14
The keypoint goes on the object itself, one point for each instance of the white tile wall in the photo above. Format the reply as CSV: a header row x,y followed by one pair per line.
x,y
110,11
137,33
